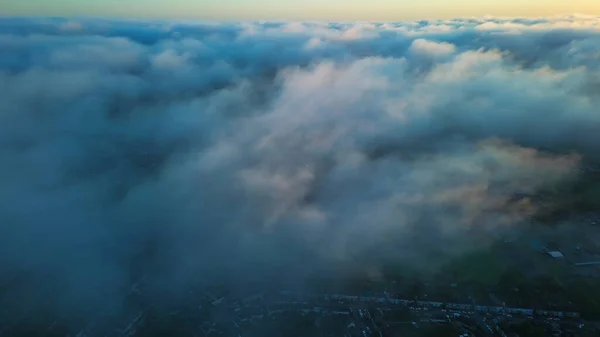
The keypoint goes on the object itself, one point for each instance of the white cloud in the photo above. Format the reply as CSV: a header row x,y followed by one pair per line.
x,y
430,48
294,27
169,60
313,43
358,31
71,26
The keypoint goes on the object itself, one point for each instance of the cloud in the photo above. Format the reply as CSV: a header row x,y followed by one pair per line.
x,y
169,61
71,26
191,153
313,43
428,48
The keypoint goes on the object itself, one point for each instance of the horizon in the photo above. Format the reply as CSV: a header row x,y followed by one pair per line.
x,y
286,10
573,15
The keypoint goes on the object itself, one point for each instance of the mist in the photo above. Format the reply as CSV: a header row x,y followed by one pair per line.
x,y
187,153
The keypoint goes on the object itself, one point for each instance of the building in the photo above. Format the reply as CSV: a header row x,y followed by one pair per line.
x,y
555,254
522,311
584,264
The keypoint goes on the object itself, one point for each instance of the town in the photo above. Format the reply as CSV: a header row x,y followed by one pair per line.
x,y
306,314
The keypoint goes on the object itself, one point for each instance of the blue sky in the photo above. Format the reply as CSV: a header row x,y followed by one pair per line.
x,y
291,9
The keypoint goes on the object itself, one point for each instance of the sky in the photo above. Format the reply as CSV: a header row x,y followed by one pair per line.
x,y
374,10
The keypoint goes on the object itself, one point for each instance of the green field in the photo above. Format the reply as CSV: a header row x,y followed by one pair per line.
x,y
483,267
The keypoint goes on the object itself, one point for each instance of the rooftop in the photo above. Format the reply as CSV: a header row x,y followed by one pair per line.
x,y
556,254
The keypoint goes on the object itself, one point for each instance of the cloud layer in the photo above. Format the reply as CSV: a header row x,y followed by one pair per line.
x,y
191,152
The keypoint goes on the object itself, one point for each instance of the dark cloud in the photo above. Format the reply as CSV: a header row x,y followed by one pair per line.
x,y
202,152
